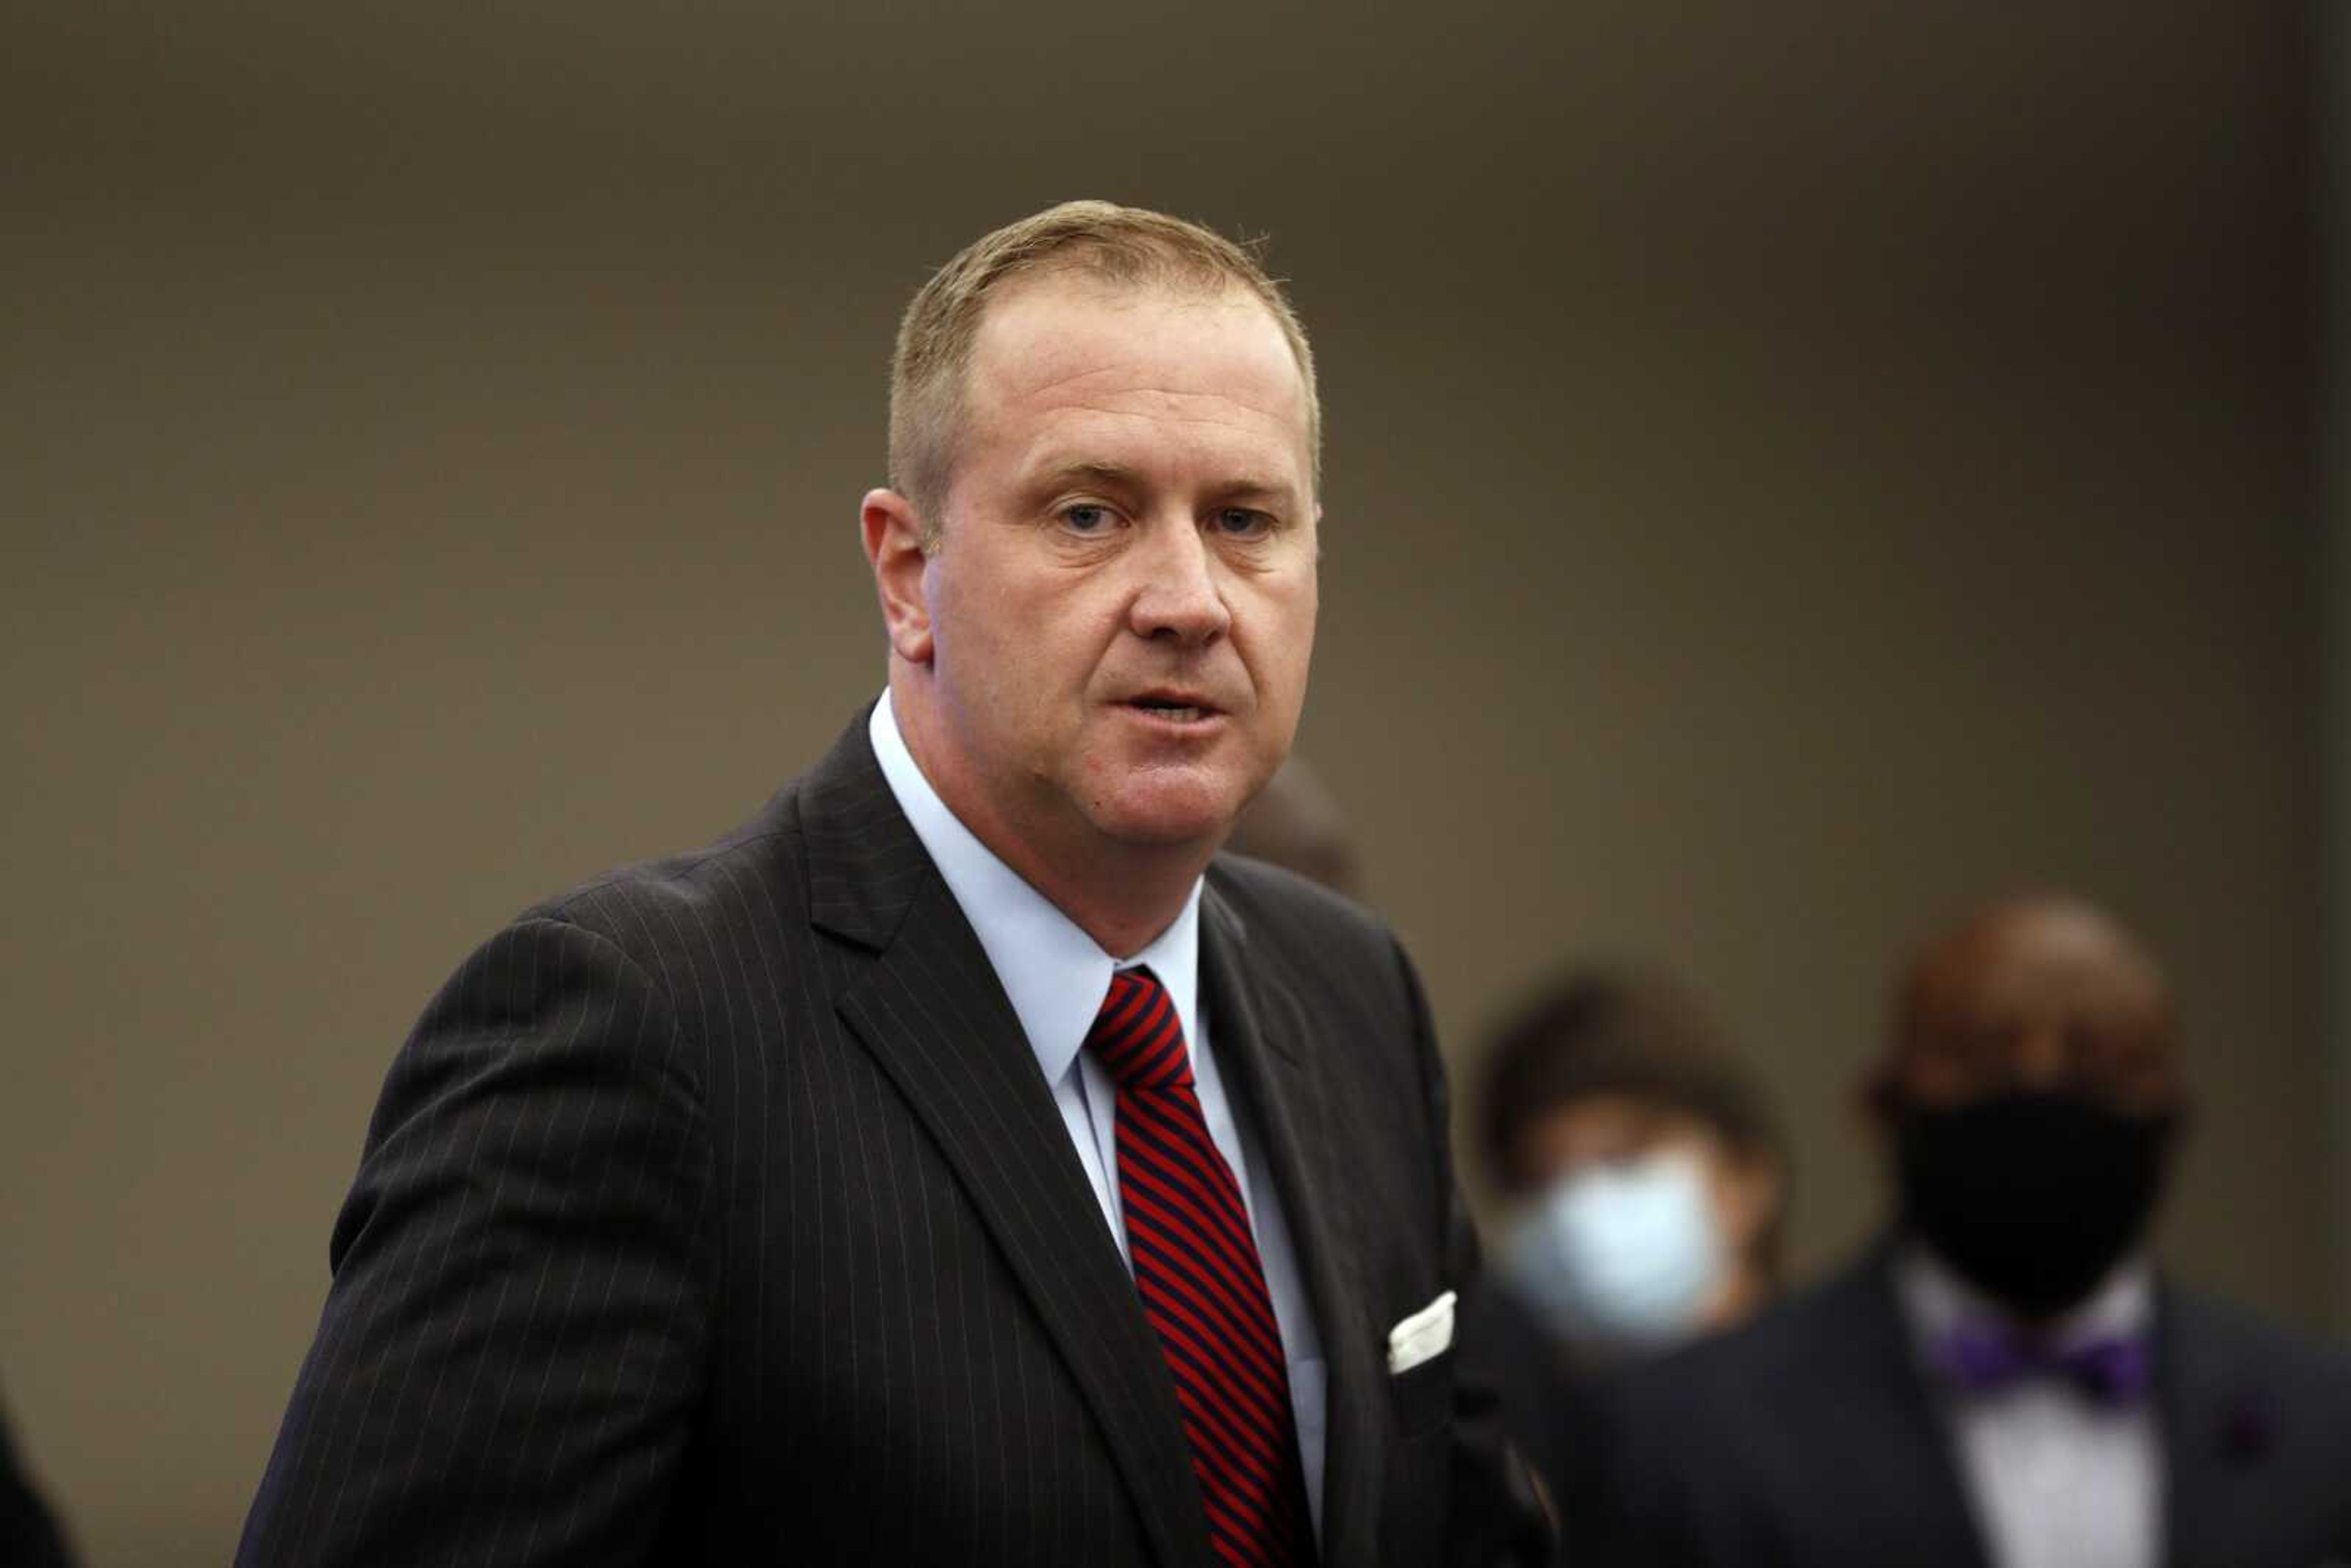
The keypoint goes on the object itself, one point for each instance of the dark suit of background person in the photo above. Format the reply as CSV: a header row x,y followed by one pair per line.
x,y
719,1212
28,1536
2030,1096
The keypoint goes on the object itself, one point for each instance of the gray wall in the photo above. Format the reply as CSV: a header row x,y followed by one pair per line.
x,y
1791,475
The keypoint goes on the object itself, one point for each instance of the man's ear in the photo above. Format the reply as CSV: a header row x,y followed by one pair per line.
x,y
893,544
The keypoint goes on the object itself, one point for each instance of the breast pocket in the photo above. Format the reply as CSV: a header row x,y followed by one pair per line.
x,y
1415,1469
1420,1366
1422,1396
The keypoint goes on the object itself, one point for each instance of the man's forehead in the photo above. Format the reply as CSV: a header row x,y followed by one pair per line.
x,y
1062,331
2041,957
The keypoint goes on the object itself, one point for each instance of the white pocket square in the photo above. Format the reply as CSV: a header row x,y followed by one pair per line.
x,y
1426,1334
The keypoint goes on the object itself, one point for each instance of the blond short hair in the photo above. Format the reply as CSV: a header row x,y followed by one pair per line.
x,y
1121,247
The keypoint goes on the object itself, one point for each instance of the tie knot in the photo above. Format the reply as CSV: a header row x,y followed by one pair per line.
x,y
1137,1036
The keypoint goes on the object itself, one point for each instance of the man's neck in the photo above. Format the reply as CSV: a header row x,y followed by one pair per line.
x,y
1125,911
1739,1296
1939,1294
1122,896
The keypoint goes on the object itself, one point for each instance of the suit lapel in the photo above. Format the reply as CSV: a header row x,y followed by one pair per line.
x,y
2216,1435
2184,1398
931,1011
1897,1468
1265,1042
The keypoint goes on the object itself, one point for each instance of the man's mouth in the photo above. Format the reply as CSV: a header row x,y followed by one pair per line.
x,y
1177,707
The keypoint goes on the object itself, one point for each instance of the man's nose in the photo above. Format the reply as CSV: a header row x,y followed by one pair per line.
x,y
1179,596
2042,1060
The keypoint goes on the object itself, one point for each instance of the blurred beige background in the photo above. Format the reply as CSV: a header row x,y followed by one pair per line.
x,y
1792,473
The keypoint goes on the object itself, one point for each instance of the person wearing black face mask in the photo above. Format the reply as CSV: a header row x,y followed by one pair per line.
x,y
2006,1379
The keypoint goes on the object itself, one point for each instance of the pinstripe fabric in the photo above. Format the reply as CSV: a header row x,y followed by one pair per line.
x,y
716,1212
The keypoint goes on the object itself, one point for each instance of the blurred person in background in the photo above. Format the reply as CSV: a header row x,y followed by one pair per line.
x,y
2006,1379
1647,1183
1295,823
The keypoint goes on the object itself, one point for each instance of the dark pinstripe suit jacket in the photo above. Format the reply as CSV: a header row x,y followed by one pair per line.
x,y
717,1213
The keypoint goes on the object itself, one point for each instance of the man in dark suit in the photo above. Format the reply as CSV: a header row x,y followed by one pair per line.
x,y
2004,1381
958,1162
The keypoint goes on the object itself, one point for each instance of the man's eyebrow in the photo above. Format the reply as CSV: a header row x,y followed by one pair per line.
x,y
1248,487
1119,476
1116,475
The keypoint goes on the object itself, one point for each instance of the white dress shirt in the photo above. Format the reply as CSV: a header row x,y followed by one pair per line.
x,y
2056,1479
1056,977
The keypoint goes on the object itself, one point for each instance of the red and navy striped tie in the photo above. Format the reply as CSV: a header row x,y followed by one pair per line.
x,y
1203,1289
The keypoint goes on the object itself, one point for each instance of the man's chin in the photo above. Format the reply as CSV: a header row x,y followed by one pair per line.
x,y
1171,821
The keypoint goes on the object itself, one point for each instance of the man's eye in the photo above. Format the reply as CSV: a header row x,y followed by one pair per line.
x,y
1243,523
1085,517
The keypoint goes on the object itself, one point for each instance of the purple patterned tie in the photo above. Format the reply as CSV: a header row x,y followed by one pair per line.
x,y
1202,1287
2115,1370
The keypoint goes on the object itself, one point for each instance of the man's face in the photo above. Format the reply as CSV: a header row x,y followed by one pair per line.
x,y
1122,604
2030,1102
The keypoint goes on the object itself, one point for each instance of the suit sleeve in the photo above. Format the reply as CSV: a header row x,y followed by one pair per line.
x,y
1494,1517
513,1343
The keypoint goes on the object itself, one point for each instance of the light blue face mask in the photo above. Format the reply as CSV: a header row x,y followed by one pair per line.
x,y
1620,1257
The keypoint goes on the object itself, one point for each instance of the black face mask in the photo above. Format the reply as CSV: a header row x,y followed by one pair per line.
x,y
2031,1198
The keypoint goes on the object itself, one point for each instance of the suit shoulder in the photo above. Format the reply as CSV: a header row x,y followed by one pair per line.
x,y
750,874
1336,958
2259,1347
1736,1357
1782,1345
1281,907
1328,947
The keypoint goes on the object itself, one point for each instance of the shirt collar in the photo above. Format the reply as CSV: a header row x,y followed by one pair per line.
x,y
1055,975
